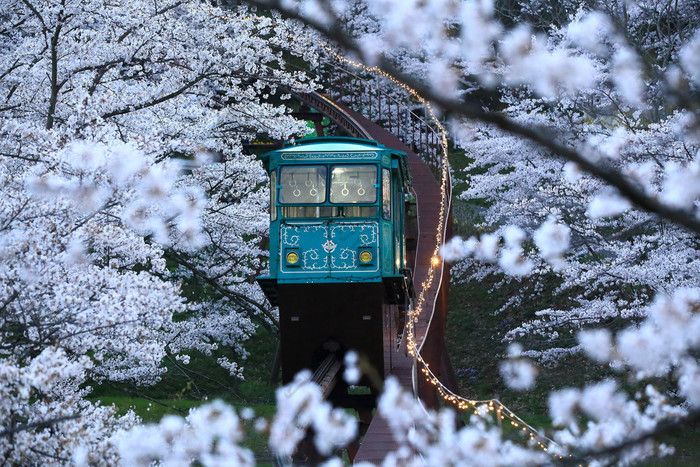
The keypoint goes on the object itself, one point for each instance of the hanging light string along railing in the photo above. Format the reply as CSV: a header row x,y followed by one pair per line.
x,y
491,405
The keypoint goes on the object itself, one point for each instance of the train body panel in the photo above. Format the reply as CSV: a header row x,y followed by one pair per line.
x,y
337,249
328,250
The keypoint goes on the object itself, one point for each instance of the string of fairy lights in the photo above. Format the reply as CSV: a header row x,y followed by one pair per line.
x,y
489,405
494,406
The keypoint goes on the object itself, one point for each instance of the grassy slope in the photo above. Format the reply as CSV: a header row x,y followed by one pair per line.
x,y
178,392
475,334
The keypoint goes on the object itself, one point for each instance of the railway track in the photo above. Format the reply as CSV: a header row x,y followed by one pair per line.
x,y
327,374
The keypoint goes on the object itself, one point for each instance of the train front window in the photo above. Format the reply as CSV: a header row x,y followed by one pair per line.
x,y
353,184
303,185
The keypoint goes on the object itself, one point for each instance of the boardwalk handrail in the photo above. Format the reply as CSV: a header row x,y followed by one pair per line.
x,y
396,116
365,98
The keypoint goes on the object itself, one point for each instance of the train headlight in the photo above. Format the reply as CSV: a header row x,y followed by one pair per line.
x,y
365,256
292,257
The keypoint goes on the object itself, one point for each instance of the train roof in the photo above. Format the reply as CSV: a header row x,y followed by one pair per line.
x,y
333,147
333,144
336,149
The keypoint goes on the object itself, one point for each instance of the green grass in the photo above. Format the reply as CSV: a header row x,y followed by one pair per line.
x,y
152,412
687,450
149,411
187,386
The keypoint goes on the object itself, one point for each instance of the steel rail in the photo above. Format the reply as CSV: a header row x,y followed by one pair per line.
x,y
327,373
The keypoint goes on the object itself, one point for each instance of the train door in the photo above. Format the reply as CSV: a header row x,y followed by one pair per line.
x,y
387,242
397,202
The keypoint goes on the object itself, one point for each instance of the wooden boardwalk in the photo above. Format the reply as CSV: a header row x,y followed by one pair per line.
x,y
378,440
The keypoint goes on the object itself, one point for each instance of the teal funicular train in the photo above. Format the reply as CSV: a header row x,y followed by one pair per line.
x,y
338,258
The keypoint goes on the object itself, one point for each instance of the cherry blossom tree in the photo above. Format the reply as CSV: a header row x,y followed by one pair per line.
x,y
103,105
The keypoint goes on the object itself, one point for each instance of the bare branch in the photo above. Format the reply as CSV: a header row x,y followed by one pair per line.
x,y
42,424
159,100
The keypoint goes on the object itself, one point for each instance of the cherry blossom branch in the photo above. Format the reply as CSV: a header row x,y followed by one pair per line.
x,y
140,394
242,300
48,454
55,86
41,424
35,12
662,429
546,139
17,156
92,329
159,100
9,300
186,372
9,70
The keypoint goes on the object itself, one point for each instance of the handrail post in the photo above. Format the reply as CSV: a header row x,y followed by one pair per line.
x,y
391,123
